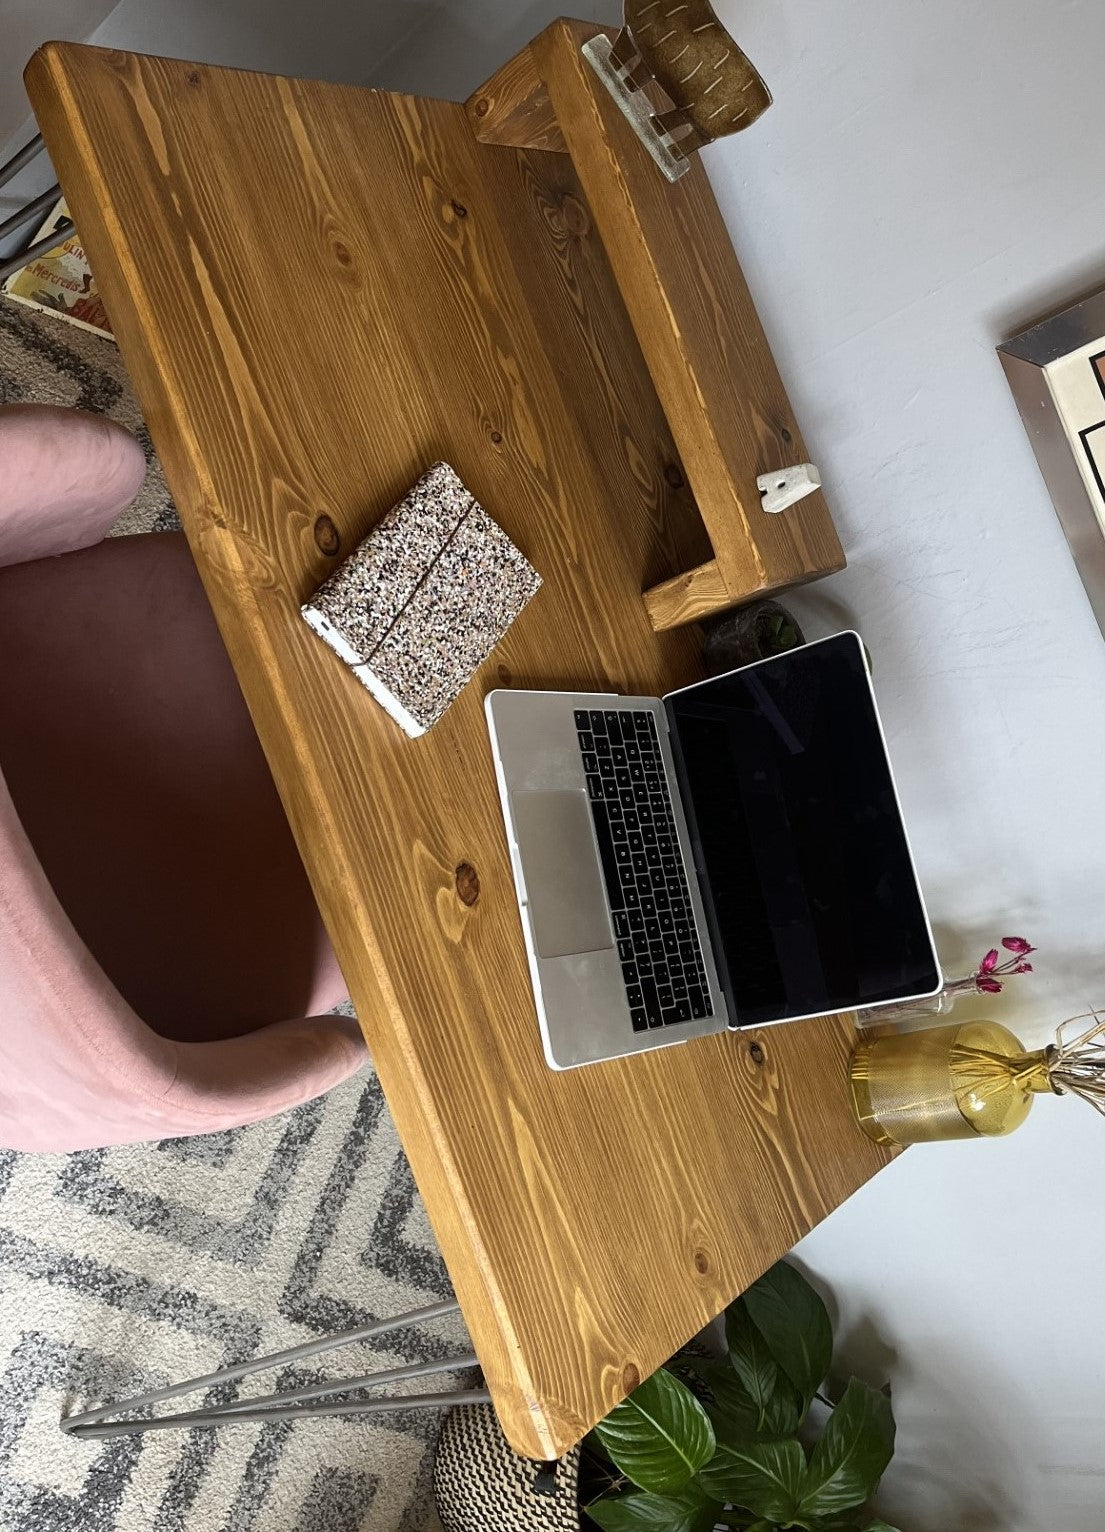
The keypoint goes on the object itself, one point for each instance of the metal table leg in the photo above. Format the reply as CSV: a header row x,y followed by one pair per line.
x,y
37,207
25,155
296,1404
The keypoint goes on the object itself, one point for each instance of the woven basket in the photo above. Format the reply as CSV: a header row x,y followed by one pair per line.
x,y
482,1485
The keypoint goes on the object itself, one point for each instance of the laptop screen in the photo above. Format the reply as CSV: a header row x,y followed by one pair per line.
x,y
809,885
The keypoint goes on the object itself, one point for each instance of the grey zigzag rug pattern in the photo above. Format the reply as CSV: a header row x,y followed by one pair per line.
x,y
126,1269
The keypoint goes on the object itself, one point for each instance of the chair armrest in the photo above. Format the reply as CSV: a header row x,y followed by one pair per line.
x,y
65,476
243,1079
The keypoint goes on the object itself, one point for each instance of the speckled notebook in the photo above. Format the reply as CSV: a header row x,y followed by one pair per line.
x,y
425,598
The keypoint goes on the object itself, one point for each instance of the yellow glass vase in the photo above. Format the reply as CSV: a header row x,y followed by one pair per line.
x,y
969,1080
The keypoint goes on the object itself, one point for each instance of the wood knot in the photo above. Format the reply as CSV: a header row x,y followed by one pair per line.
x,y
674,475
483,106
468,884
505,677
631,1378
577,220
756,1054
787,437
701,1262
327,536
193,77
459,208
497,437
342,255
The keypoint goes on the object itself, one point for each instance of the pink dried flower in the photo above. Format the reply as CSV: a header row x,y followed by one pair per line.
x,y
993,970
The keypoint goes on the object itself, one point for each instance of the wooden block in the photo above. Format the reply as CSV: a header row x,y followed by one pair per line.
x,y
513,107
701,339
688,597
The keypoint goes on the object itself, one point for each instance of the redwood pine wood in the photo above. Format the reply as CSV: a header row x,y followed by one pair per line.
x,y
695,321
319,292
513,107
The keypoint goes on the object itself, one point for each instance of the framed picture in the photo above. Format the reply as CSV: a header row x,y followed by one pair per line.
x,y
1057,373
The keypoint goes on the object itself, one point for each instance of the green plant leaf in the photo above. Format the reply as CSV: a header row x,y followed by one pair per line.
x,y
770,1392
660,1436
795,1326
766,1477
690,1510
783,1412
734,1415
852,1453
752,1361
878,1526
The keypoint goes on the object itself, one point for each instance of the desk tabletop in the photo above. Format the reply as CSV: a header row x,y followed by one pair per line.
x,y
320,291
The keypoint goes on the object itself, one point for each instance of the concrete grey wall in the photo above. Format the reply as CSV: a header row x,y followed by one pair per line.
x,y
327,39
438,47
456,44
24,25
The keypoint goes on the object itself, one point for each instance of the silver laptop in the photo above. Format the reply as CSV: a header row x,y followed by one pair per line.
x,y
731,855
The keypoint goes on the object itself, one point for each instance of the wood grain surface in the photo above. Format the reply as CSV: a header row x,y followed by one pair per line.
x,y
701,337
513,107
319,292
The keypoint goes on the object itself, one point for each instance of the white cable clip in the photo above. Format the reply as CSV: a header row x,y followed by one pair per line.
x,y
787,486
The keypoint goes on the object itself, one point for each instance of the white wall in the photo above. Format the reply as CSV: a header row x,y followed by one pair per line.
x,y
328,39
929,181
23,25
458,44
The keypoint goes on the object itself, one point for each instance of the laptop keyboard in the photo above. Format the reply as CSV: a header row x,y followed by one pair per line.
x,y
642,866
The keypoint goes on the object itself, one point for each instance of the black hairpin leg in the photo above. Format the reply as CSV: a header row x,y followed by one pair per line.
x,y
297,1404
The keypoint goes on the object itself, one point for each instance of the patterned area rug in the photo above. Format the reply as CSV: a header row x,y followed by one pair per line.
x,y
45,361
126,1269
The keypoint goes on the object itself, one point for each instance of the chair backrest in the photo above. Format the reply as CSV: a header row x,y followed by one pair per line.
x,y
78,1067
71,1050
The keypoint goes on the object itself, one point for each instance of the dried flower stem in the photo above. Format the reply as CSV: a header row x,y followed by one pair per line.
x,y
1077,1064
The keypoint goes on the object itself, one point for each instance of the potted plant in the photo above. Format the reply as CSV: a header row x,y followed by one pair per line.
x,y
751,633
725,1441
728,1442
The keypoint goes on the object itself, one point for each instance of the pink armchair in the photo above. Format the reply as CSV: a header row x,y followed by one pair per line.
x,y
157,931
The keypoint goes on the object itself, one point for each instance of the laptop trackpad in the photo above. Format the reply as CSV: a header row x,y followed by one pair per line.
x,y
560,868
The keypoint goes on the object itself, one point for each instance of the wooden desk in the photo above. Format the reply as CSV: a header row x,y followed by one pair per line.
x,y
319,291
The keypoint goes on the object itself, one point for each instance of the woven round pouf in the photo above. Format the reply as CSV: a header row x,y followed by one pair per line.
x,y
482,1485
